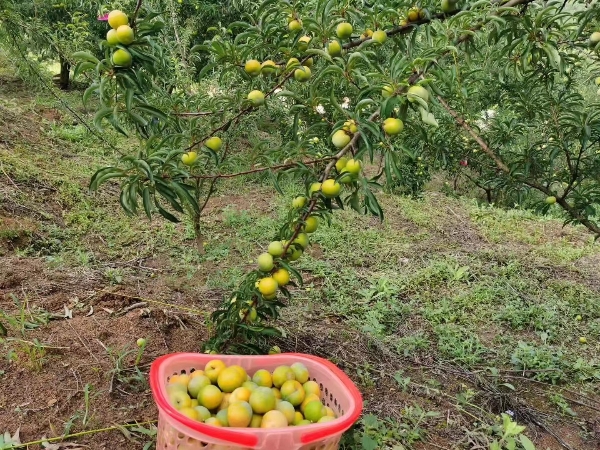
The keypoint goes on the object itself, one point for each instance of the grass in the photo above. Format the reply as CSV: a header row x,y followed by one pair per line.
x,y
441,285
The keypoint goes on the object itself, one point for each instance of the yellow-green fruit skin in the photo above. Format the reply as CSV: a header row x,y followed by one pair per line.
x,y
344,30
334,48
125,34
214,143
257,98
418,91
340,139
112,38
121,58
295,25
117,18
379,36
302,74
252,67
392,126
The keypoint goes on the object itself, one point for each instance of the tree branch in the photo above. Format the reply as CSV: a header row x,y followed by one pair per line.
x,y
262,169
499,163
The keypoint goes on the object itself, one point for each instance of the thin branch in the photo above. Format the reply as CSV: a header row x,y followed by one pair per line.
x,y
262,169
199,113
136,12
499,163
211,190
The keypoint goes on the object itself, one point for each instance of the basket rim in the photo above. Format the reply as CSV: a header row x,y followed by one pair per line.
x,y
236,435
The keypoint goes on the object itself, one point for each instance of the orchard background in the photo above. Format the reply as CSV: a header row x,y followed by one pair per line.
x,y
427,175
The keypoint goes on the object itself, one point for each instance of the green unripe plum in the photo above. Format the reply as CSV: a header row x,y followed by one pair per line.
x,y
341,163
595,37
301,240
189,158
418,91
257,98
112,38
311,225
353,166
392,126
265,262
303,43
414,14
379,36
448,6
121,58
214,143
292,63
125,34
302,74
295,26
252,67
315,187
331,188
344,30
117,18
551,200
387,91
334,48
275,248
269,67
296,254
299,202
340,139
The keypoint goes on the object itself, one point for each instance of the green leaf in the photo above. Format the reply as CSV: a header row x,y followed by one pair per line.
x,y
368,443
89,91
185,196
510,443
526,443
85,56
129,93
147,202
428,117
275,182
100,115
152,111
82,67
167,215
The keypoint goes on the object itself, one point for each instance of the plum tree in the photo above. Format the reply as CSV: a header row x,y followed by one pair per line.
x,y
51,30
414,103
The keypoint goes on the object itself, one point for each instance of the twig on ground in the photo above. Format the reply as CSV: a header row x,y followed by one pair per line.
x,y
131,308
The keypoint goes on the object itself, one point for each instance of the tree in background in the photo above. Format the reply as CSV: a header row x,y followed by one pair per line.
x,y
51,30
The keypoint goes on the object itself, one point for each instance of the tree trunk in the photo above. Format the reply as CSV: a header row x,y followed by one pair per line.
x,y
65,73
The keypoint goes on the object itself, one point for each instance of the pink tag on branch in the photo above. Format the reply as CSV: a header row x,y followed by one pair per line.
x,y
103,18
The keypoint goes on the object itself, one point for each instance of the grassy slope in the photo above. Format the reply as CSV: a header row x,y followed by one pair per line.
x,y
440,292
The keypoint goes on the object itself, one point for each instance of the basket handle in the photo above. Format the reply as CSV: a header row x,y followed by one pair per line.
x,y
345,421
233,437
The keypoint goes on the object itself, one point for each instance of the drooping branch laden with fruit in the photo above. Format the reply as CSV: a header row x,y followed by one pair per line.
x,y
395,72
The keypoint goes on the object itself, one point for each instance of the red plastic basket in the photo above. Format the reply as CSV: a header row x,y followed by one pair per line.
x,y
178,432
